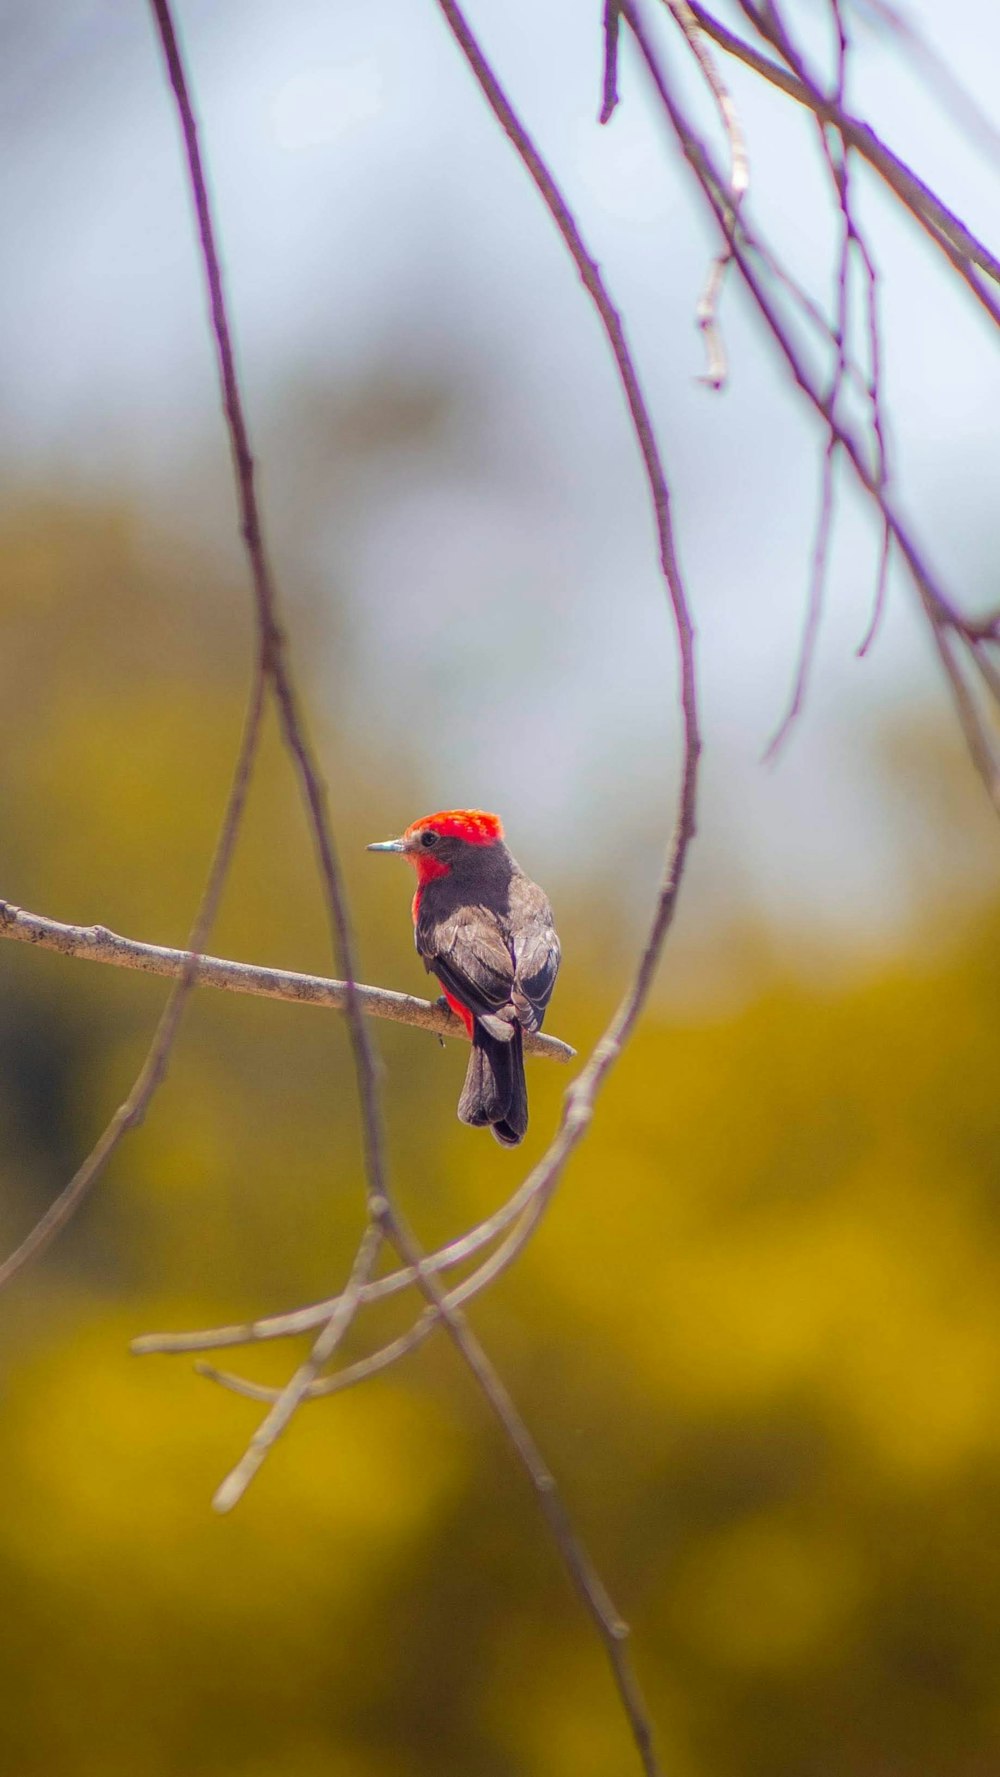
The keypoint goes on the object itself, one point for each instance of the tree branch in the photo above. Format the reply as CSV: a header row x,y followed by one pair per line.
x,y
303,1320
943,615
273,643
97,944
923,203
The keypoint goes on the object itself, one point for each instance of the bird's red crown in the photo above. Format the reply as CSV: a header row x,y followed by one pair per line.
x,y
473,825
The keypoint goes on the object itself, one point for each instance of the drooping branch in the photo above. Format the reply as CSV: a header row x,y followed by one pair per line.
x,y
941,223
706,312
946,622
382,1210
98,944
273,642
153,1071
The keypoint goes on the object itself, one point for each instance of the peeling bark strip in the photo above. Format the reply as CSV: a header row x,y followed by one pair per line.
x,y
99,945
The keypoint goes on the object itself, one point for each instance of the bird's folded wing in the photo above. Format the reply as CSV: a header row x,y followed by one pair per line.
x,y
468,955
537,956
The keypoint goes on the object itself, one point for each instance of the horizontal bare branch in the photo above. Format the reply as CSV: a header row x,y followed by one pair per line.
x,y
99,945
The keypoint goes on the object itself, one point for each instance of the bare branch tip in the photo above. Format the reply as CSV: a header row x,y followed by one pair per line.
x,y
229,1494
609,91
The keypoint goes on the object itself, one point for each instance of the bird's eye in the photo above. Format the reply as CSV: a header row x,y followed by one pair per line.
x,y
429,837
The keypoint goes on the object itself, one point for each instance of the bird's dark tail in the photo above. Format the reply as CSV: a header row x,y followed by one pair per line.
x,y
494,1094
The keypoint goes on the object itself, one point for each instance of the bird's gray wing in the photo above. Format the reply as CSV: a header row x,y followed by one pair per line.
x,y
467,953
537,958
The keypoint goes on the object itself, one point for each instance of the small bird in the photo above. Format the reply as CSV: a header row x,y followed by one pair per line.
x,y
485,930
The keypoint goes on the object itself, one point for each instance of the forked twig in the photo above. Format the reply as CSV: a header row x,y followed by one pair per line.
x,y
291,1396
947,230
487,1273
349,1377
526,1207
302,1320
943,615
706,312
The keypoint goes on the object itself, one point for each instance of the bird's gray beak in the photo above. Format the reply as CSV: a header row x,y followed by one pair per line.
x,y
387,845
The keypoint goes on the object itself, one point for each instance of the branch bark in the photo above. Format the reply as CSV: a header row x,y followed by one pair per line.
x,y
98,944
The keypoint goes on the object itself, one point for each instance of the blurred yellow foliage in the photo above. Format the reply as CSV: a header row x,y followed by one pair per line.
x,y
758,1336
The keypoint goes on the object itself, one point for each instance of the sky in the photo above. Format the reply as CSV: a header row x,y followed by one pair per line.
x,y
499,583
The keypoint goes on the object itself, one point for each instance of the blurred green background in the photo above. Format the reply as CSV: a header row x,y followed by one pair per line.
x,y
758,1336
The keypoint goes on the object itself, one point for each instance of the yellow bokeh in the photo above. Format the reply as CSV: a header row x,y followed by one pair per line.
x,y
757,1335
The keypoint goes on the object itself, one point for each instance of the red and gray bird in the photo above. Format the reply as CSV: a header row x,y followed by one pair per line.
x,y
485,930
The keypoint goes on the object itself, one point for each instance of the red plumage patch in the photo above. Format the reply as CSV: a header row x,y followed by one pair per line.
x,y
461,1011
473,825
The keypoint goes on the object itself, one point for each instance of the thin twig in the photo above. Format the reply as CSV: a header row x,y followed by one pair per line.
x,y
398,1348
939,222
839,177
739,163
707,322
349,1377
814,608
232,1489
131,1113
276,663
609,80
976,737
839,170
941,612
953,95
942,225
97,944
302,1320
881,591
706,312
988,668
879,434
273,642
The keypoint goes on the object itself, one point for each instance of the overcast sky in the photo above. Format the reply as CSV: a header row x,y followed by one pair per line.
x,y
502,585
